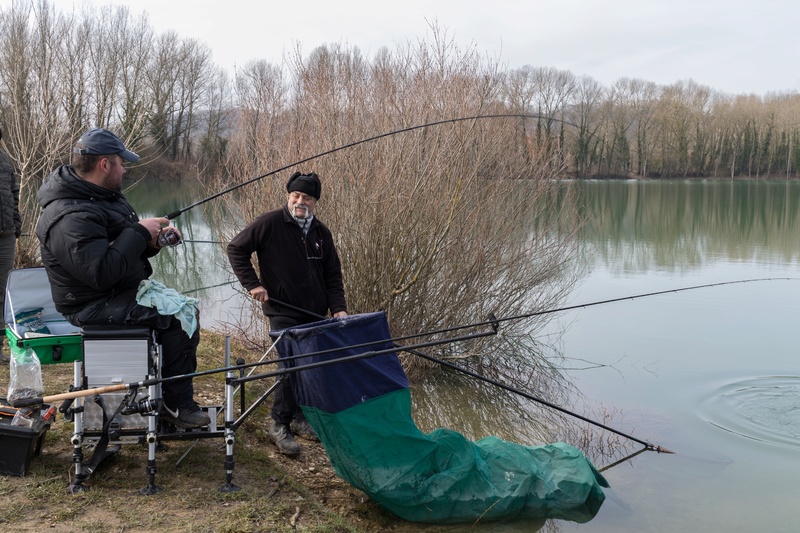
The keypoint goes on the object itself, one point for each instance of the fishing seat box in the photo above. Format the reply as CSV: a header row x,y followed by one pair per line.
x,y
19,445
110,355
27,290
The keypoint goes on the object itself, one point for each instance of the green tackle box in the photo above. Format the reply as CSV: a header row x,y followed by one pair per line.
x,y
32,321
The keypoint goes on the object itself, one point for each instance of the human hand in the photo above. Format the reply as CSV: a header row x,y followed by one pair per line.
x,y
259,294
340,314
153,226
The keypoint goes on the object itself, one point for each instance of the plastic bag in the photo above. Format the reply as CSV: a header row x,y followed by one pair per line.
x,y
25,380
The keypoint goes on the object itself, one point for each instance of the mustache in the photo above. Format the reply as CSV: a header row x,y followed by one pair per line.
x,y
293,209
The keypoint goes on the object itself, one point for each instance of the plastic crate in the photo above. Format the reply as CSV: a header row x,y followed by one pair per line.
x,y
19,445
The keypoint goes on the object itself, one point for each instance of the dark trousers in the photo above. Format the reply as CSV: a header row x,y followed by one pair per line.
x,y
284,404
8,243
179,351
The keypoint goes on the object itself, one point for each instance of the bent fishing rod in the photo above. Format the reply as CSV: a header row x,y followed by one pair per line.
x,y
179,212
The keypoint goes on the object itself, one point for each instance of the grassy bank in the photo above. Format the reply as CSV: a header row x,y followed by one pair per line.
x,y
277,493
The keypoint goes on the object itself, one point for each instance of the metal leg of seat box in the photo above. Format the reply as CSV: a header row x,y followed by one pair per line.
x,y
154,391
230,431
75,410
84,470
102,450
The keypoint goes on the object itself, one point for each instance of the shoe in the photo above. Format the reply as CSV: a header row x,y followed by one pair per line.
x,y
302,428
185,417
283,439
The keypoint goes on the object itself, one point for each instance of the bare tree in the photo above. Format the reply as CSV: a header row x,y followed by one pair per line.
x,y
261,97
136,38
214,143
195,74
32,99
586,114
162,79
438,226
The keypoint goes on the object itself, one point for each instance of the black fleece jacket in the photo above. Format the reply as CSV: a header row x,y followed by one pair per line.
x,y
92,245
303,271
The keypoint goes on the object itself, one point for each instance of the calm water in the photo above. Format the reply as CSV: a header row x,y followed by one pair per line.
x,y
711,373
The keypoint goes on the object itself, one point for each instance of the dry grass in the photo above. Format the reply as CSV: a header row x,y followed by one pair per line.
x,y
277,493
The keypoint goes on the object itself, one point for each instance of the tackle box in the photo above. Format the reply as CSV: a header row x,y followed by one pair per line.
x,y
19,445
29,307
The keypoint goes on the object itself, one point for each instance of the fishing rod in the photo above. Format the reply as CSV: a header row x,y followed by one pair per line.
x,y
491,321
413,350
135,385
646,444
620,461
644,295
179,212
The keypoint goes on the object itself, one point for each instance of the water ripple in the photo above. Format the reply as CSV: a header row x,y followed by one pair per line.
x,y
765,409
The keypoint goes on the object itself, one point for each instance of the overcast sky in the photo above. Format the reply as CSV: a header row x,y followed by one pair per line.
x,y
735,46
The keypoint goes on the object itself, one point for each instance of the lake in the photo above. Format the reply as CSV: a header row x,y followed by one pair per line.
x,y
710,373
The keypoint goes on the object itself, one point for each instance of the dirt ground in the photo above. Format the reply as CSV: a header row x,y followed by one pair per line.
x,y
276,493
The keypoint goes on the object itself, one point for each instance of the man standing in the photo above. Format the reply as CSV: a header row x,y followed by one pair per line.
x,y
96,252
10,222
298,266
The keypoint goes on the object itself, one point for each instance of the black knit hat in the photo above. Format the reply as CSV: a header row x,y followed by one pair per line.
x,y
306,183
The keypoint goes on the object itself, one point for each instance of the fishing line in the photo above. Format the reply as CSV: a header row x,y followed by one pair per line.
x,y
601,302
231,282
179,212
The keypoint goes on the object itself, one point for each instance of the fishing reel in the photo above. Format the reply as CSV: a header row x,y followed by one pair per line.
x,y
144,406
169,236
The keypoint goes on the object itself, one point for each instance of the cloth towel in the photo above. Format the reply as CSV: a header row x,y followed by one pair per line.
x,y
168,301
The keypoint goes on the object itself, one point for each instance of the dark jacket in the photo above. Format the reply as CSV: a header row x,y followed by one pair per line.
x,y
303,271
92,246
10,219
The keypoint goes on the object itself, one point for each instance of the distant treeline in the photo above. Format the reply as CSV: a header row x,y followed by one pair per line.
x,y
64,71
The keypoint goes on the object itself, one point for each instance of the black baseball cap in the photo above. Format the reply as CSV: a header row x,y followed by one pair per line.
x,y
100,141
